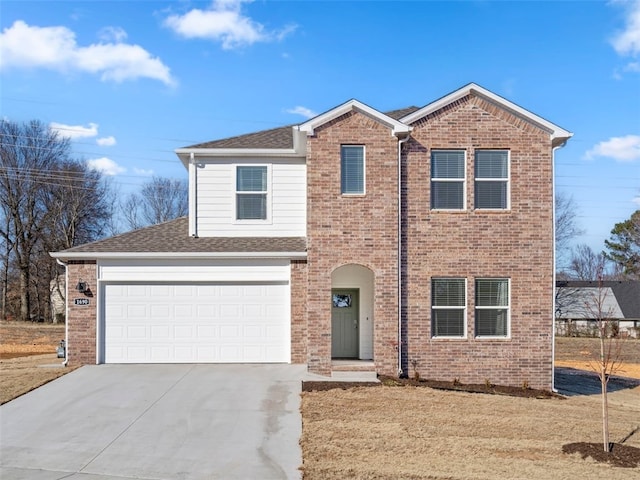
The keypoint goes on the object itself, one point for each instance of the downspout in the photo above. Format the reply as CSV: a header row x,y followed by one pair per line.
x,y
193,192
400,142
553,286
66,311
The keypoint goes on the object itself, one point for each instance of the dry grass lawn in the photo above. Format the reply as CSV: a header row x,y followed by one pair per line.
x,y
420,433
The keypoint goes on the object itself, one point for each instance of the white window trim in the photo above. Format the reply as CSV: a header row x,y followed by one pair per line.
x,y
507,179
235,218
364,170
508,308
463,180
464,311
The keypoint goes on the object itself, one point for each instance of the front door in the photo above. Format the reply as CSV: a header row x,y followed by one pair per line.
x,y
344,323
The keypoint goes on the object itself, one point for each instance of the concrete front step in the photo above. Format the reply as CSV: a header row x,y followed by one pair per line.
x,y
354,376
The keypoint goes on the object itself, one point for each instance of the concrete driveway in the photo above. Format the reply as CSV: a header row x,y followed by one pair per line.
x,y
114,422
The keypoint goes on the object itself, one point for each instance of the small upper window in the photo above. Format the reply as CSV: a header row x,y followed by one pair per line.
x,y
492,307
352,169
492,179
447,179
251,193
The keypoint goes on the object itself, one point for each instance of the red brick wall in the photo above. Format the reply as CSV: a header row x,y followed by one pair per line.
x,y
352,229
298,311
81,349
472,244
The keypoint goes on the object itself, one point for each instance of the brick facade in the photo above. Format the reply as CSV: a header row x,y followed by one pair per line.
x,y
299,311
358,229
81,322
471,244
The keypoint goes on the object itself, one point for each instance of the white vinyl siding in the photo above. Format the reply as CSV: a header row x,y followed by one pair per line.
x,y
492,179
448,180
216,201
492,307
448,307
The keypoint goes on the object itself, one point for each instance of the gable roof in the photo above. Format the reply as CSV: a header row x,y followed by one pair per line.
x,y
558,134
625,293
397,127
281,137
171,239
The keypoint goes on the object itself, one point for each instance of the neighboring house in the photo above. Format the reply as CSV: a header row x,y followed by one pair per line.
x,y
579,303
58,305
419,238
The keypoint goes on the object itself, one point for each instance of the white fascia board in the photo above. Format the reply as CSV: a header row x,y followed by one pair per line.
x,y
555,131
164,255
395,126
185,153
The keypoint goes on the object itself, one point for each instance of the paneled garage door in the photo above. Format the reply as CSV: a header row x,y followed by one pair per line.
x,y
192,323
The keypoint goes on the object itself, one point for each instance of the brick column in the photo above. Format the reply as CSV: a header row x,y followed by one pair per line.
x,y
82,319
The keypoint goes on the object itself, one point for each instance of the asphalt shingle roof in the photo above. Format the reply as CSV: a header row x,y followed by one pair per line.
x,y
173,237
627,293
276,138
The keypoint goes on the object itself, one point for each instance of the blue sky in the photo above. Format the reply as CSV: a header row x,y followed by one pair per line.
x,y
131,81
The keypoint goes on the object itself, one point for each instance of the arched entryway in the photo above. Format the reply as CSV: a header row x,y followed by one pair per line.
x,y
352,293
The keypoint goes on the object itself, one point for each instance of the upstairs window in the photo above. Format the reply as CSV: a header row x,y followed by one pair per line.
x,y
251,193
448,307
492,307
352,169
447,179
492,179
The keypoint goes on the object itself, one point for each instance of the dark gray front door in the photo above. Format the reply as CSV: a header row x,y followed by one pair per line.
x,y
344,323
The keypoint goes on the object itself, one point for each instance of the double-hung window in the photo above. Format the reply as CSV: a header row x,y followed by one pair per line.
x,y
251,192
492,179
492,307
448,307
352,169
448,180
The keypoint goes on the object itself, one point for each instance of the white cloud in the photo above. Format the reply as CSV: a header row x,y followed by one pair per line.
x,y
623,149
75,131
143,172
55,48
112,34
224,21
636,200
106,166
304,111
627,42
106,141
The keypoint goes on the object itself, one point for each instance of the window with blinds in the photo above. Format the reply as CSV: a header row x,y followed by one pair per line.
x,y
448,307
447,179
251,193
492,307
492,179
352,169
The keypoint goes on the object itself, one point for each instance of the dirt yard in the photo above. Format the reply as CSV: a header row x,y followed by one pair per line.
x,y
27,357
580,353
420,433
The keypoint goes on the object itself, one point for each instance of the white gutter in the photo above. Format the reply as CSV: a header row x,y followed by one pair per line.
x,y
182,255
66,312
400,142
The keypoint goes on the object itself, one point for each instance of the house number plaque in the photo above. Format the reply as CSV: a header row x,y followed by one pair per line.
x,y
81,301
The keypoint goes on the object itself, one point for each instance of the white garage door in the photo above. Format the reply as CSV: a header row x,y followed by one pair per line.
x,y
193,323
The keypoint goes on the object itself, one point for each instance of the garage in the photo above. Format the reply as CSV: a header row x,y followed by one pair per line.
x,y
238,322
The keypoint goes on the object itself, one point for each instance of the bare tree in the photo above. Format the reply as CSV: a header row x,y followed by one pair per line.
x,y
566,225
585,264
49,201
599,308
160,199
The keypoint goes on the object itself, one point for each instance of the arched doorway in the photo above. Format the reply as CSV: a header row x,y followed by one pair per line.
x,y
352,293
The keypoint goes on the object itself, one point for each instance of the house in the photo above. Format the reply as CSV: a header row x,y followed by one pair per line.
x,y
418,239
579,303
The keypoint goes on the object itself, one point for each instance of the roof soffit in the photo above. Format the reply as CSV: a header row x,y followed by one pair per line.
x,y
397,128
558,134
